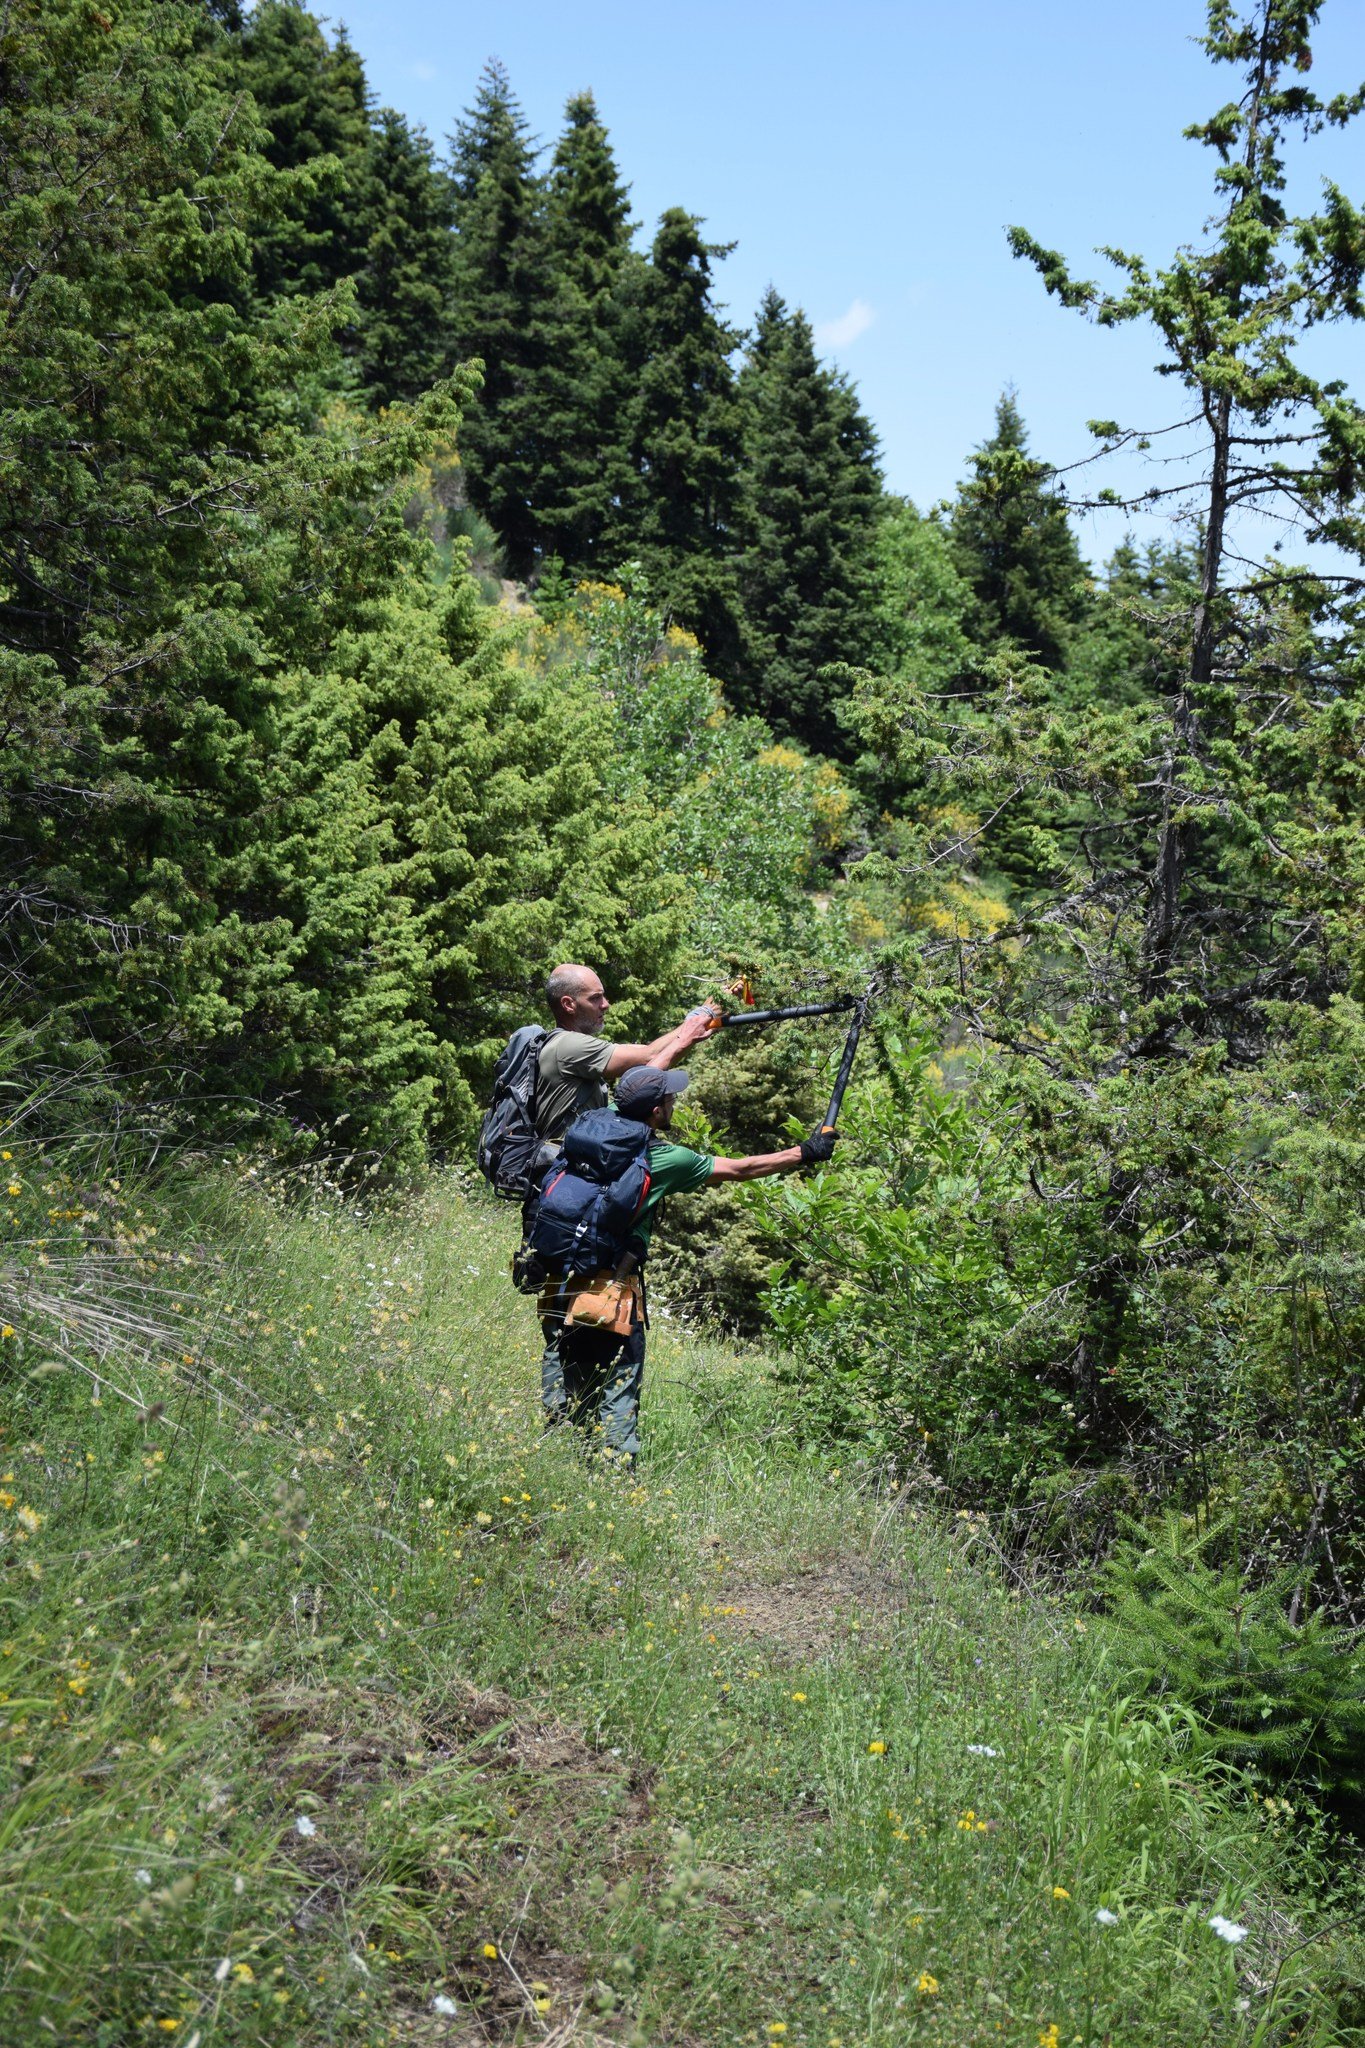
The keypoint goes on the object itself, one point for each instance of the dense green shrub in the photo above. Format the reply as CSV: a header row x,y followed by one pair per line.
x,y
283,823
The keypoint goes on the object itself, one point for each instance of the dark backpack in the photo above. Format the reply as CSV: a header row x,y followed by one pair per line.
x,y
509,1150
592,1194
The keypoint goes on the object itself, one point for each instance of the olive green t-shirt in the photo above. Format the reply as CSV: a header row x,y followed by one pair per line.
x,y
673,1170
572,1078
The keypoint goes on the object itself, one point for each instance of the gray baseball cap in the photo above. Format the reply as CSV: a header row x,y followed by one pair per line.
x,y
642,1089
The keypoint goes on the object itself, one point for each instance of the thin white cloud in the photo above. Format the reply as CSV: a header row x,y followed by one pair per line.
x,y
423,71
841,333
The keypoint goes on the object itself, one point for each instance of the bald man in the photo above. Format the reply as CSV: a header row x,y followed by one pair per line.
x,y
576,1063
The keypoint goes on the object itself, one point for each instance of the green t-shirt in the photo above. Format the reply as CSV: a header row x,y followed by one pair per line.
x,y
673,1170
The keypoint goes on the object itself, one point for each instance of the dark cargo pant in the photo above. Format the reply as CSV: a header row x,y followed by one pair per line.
x,y
602,1378
552,1395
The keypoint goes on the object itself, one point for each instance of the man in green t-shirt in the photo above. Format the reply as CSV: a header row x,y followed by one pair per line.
x,y
604,1372
575,1064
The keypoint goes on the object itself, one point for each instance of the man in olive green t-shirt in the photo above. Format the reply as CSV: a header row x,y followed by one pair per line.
x,y
603,1372
575,1064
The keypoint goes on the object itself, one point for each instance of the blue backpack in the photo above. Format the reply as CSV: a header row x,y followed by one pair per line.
x,y
592,1194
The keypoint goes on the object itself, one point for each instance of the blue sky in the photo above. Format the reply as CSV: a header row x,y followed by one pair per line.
x,y
865,157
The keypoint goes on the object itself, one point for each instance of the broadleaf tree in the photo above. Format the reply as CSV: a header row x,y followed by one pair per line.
x,y
1172,1022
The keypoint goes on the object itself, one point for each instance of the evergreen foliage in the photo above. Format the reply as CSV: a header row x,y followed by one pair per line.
x,y
1014,546
404,284
312,98
1130,641
677,513
496,307
588,206
808,513
283,822
582,471
1288,1696
1167,1028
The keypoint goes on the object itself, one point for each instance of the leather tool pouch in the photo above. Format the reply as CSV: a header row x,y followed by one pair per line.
x,y
605,1304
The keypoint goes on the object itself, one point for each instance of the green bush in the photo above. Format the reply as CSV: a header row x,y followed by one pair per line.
x,y
1284,1694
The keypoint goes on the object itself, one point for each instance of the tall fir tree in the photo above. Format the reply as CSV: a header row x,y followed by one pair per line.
x,y
312,96
499,283
403,291
1015,546
582,381
677,514
589,207
809,509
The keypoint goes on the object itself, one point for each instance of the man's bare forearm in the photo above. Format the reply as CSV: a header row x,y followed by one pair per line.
x,y
758,1166
660,1052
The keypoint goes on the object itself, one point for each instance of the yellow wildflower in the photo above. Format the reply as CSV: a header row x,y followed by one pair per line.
x,y
244,1973
799,1697
926,1985
876,1749
490,1950
30,1519
777,2028
1050,2037
1059,1891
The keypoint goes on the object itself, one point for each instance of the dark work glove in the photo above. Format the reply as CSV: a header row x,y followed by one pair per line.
x,y
818,1147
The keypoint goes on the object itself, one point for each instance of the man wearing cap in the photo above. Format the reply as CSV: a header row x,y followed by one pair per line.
x,y
574,1066
603,1372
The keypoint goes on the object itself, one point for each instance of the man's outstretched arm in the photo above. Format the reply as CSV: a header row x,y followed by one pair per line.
x,y
662,1052
812,1151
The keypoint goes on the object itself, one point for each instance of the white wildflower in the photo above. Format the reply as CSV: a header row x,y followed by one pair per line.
x,y
304,1826
440,2003
142,1876
224,1971
981,1749
1105,1917
1228,1930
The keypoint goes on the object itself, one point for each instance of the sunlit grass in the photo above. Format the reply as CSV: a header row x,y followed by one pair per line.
x,y
775,1756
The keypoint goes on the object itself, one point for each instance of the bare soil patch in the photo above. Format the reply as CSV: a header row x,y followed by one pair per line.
x,y
816,1610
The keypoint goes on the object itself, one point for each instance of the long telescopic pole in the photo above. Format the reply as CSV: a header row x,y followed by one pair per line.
x,y
781,1016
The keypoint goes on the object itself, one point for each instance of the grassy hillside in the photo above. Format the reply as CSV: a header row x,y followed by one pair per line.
x,y
342,1705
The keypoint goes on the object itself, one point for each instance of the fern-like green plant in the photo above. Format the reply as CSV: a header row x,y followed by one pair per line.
x,y
1286,1697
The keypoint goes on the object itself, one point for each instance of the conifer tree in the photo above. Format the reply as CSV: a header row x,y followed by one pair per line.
x,y
313,100
1015,546
684,447
279,822
499,283
589,207
581,385
403,290
809,511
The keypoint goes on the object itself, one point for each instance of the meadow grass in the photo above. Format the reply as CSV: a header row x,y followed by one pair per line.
x,y
342,1704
